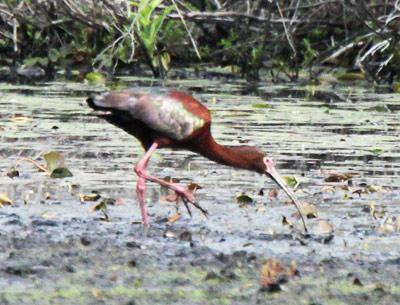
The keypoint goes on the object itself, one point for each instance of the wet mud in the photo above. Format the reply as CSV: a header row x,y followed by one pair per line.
x,y
57,249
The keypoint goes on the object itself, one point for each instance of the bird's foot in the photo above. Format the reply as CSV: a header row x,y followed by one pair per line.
x,y
188,198
196,205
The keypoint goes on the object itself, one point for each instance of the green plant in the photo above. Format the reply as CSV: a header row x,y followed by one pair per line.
x,y
148,25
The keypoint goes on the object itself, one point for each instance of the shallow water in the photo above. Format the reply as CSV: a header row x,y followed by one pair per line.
x,y
309,131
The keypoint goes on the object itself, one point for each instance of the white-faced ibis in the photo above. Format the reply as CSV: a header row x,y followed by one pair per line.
x,y
177,120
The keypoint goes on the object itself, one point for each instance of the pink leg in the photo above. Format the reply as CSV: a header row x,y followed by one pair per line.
x,y
141,171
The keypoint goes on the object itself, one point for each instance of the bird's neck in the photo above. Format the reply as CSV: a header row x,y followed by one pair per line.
x,y
236,156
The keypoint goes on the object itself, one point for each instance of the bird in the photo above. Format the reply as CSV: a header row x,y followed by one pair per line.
x,y
176,120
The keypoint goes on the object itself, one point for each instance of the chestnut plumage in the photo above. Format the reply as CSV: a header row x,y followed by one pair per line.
x,y
177,120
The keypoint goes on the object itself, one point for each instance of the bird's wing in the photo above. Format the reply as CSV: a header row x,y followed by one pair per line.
x,y
169,114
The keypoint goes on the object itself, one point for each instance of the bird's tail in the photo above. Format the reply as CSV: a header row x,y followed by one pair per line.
x,y
111,100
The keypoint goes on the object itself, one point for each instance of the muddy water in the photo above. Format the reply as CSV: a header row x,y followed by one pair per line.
x,y
55,249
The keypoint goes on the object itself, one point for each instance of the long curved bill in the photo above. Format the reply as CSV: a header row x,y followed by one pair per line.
x,y
273,173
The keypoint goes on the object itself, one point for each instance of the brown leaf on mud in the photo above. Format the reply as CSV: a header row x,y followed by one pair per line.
x,y
336,177
274,273
5,200
174,218
273,193
13,173
192,186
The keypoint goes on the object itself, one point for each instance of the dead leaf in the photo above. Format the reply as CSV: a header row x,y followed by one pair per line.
x,y
309,210
20,119
5,200
54,160
323,227
174,218
336,177
193,187
286,222
13,173
274,273
273,193
94,196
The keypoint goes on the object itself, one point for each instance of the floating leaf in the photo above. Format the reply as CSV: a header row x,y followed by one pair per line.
x,y
5,200
379,108
370,188
20,119
261,106
377,151
54,160
93,196
290,181
336,177
61,172
244,200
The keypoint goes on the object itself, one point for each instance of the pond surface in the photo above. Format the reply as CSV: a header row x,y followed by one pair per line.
x,y
56,249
